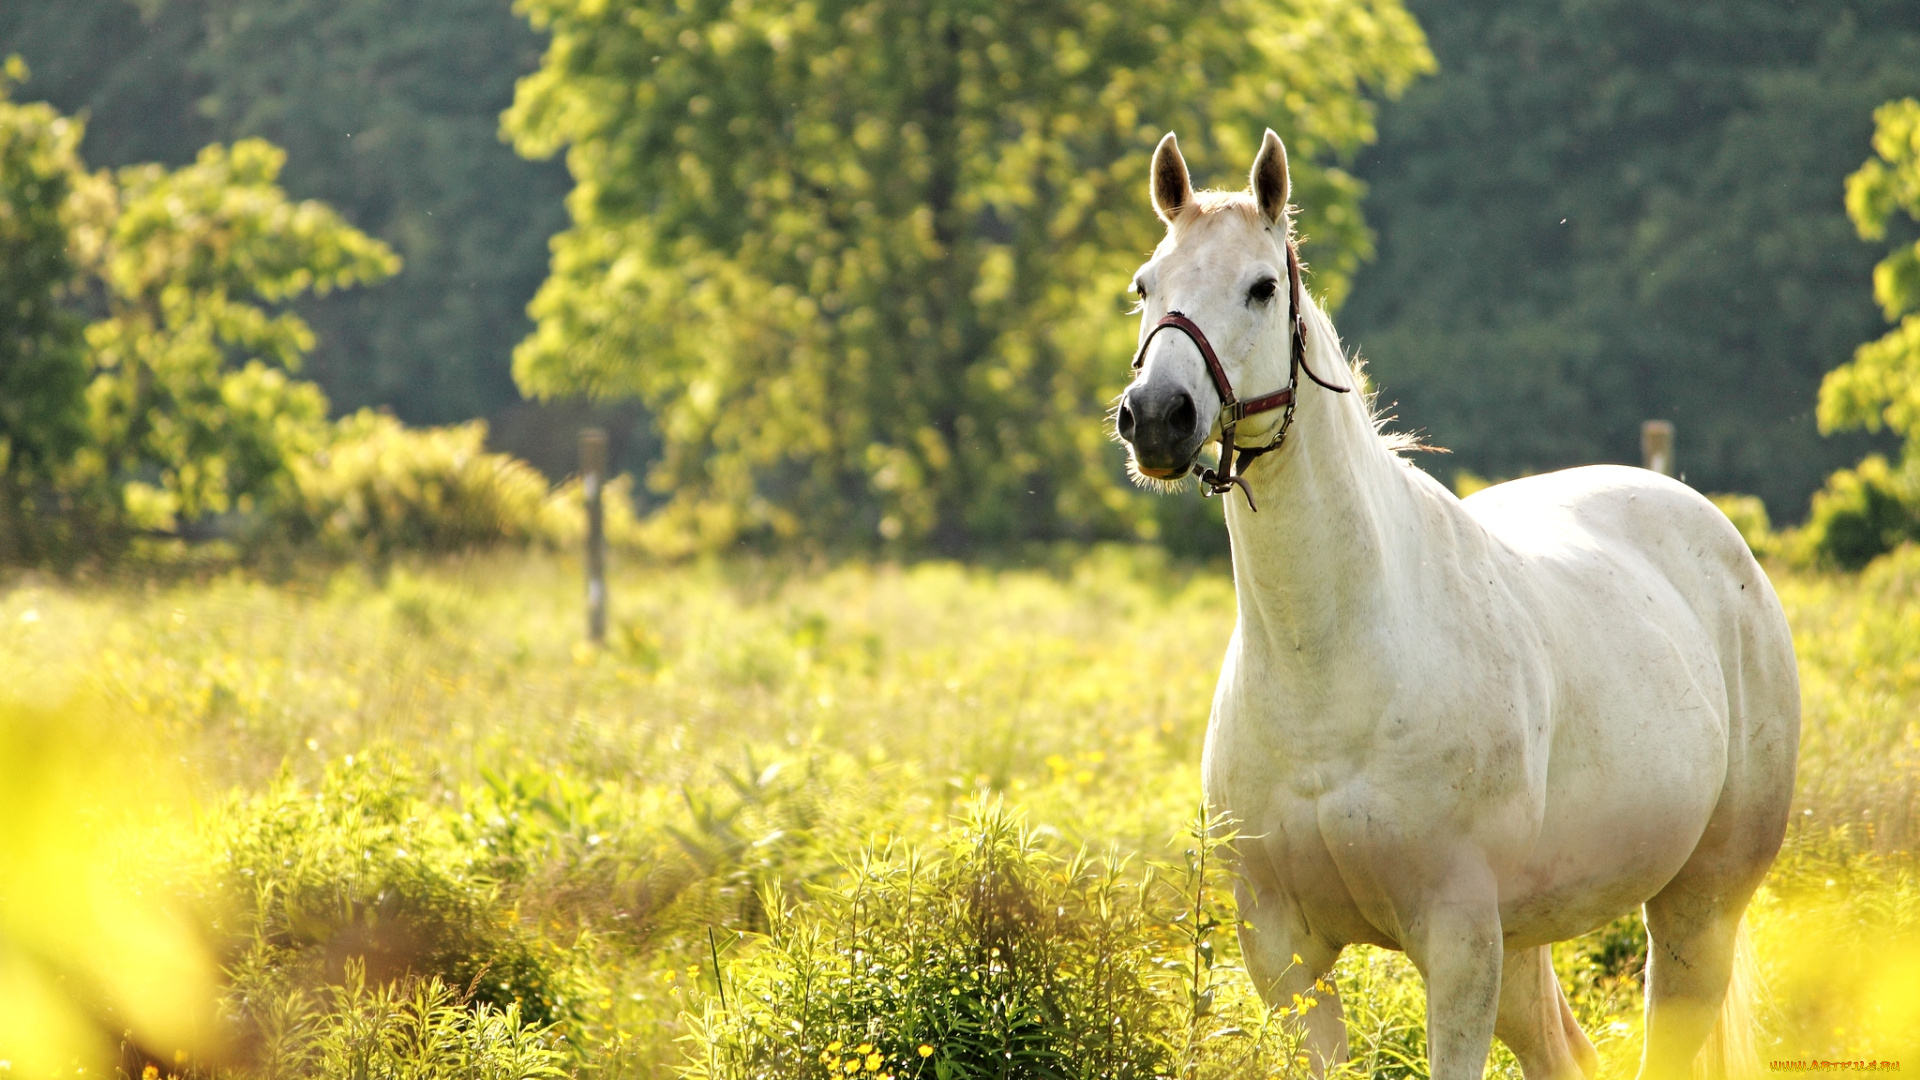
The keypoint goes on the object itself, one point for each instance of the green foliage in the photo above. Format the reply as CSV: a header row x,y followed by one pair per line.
x,y
1882,384
43,370
418,1029
380,489
990,957
866,261
192,410
177,404
1858,639
1862,513
389,110
1749,515
760,729
1602,212
362,874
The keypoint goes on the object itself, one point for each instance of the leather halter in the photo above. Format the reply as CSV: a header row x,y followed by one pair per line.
x,y
1230,472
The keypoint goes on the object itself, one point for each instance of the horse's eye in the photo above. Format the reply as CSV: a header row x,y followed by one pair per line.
x,y
1139,289
1262,290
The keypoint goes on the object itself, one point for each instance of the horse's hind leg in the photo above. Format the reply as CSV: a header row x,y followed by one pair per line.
x,y
1693,924
1691,935
1536,1022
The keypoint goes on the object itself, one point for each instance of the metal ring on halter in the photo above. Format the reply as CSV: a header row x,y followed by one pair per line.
x,y
1232,467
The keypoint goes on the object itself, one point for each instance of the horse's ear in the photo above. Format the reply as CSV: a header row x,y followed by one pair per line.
x,y
1269,180
1171,187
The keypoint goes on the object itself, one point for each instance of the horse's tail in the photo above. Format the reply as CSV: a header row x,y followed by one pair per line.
x,y
1731,1052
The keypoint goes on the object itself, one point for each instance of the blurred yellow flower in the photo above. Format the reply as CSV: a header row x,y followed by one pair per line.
x,y
925,1050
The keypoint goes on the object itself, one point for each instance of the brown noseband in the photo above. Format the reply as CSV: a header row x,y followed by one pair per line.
x,y
1231,470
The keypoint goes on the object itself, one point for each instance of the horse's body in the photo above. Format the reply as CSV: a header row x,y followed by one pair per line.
x,y
1466,729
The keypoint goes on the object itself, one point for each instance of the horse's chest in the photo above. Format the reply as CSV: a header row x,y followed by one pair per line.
x,y
1338,801
1276,791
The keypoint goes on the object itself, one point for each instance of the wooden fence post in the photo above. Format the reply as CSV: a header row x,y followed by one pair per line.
x,y
593,472
1656,446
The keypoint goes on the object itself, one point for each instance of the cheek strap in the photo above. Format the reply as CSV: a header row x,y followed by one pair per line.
x,y
1234,460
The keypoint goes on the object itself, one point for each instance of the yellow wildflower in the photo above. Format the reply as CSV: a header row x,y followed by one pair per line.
x,y
864,1048
925,1050
873,1062
834,1045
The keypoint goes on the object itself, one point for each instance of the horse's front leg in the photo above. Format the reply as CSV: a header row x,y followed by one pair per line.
x,y
1284,960
1453,937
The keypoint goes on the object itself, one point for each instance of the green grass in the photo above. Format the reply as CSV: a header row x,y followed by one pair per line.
x,y
428,828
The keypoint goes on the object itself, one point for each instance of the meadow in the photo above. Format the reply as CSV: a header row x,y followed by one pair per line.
x,y
807,820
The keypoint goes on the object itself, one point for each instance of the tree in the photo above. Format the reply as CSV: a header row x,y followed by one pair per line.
x,y
192,411
1882,384
865,261
147,346
43,367
388,111
1605,211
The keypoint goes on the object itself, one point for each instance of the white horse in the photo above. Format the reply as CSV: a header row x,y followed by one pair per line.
x,y
1465,729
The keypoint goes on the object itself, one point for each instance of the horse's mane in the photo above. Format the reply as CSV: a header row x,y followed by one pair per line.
x,y
1397,443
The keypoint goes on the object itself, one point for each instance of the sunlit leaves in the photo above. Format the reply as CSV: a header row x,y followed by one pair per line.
x,y
42,370
1882,383
865,260
191,409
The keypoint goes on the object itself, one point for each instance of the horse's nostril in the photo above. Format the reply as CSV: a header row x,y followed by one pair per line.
x,y
1183,417
1124,422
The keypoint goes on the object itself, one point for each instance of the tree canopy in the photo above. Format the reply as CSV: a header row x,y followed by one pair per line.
x,y
866,260
1882,384
191,408
1595,213
42,367
148,368
1608,211
388,110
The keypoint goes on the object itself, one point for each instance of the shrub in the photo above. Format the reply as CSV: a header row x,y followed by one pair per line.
x,y
990,958
1861,514
1749,515
418,1028
381,488
363,876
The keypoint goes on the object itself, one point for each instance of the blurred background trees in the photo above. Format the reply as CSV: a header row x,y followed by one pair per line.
x,y
43,367
388,110
1603,211
1592,214
866,261
148,368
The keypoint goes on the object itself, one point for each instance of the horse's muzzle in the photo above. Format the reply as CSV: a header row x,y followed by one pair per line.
x,y
1162,425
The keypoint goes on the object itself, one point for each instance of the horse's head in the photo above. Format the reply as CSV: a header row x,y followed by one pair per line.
x,y
1224,266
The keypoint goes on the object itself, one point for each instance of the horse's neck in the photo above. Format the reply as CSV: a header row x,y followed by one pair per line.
x,y
1313,562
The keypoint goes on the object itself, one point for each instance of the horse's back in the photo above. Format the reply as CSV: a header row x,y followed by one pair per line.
x,y
1610,531
1619,512
1621,540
